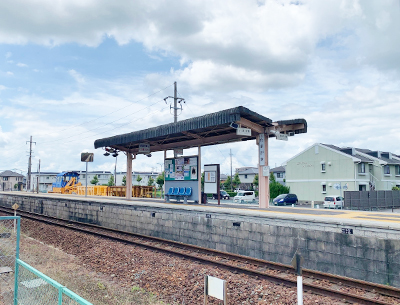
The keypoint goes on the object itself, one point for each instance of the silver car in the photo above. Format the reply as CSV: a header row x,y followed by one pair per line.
x,y
333,202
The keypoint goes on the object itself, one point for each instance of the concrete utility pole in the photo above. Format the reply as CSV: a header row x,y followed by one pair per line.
x,y
175,103
28,182
38,178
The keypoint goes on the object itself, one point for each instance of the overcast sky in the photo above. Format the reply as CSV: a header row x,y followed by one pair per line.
x,y
73,71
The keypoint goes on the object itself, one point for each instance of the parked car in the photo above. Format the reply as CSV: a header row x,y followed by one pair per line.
x,y
284,199
334,202
222,194
245,196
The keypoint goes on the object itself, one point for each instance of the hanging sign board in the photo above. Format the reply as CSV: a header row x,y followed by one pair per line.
x,y
87,157
243,132
282,136
144,148
261,143
178,151
266,171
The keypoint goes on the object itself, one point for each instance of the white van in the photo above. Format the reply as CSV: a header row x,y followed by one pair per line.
x,y
245,196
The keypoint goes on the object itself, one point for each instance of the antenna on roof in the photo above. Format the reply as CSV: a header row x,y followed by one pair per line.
x,y
176,101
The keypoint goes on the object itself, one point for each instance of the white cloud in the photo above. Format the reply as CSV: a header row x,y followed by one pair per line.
x,y
77,76
22,65
8,54
9,73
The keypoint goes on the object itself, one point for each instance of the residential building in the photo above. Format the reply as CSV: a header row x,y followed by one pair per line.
x,y
279,173
11,181
325,169
246,176
145,177
46,180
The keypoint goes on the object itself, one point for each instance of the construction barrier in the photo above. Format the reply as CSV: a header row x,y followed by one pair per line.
x,y
117,191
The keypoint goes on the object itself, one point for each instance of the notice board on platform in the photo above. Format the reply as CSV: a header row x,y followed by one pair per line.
x,y
181,168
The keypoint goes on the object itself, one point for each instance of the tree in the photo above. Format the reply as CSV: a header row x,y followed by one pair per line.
x,y
395,188
160,180
124,180
227,183
202,181
236,180
95,180
275,188
255,181
138,179
151,181
111,181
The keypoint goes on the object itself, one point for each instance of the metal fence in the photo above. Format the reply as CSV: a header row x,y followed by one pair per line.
x,y
9,251
33,287
21,284
371,200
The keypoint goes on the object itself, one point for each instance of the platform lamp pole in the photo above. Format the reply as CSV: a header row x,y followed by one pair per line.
x,y
86,179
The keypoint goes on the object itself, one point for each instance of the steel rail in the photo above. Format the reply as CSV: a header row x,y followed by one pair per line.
x,y
354,283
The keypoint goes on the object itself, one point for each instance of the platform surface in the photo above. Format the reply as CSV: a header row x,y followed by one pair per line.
x,y
382,219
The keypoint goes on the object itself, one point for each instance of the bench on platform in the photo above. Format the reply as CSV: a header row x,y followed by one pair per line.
x,y
179,193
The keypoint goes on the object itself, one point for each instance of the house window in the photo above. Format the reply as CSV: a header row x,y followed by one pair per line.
x,y
362,187
323,167
324,188
5,178
361,168
245,176
279,175
83,176
99,176
397,169
386,170
47,178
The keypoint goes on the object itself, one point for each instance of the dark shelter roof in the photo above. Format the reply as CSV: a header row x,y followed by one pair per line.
x,y
209,129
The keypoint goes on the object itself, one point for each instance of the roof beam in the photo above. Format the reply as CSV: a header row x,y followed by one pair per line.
x,y
253,126
191,135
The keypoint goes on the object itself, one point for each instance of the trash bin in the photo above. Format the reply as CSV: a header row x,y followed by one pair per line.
x,y
203,197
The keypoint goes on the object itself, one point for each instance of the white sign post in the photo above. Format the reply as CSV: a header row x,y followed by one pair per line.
x,y
261,138
243,132
214,287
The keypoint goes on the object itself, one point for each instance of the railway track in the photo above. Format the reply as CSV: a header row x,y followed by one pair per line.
x,y
339,287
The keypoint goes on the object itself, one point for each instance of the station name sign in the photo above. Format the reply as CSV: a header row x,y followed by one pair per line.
x,y
243,132
144,148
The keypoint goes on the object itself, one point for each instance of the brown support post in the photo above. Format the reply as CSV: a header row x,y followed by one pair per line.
x,y
199,172
263,182
165,157
129,176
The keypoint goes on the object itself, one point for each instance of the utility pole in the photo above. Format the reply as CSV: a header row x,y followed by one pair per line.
x,y
176,101
230,154
28,182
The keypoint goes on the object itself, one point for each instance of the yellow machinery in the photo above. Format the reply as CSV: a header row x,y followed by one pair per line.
x,y
66,183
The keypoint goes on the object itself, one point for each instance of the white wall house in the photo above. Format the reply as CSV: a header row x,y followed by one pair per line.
x,y
246,176
280,174
325,169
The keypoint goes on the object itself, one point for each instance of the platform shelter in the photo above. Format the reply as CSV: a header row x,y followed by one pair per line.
x,y
231,125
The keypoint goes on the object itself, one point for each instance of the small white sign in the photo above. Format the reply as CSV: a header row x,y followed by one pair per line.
x,y
243,132
215,287
282,136
178,151
144,148
266,171
261,143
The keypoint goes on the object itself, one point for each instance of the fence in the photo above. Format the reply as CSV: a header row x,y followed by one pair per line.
x,y
34,288
9,251
371,200
21,284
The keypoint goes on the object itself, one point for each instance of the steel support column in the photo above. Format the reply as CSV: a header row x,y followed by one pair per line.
x,y
199,172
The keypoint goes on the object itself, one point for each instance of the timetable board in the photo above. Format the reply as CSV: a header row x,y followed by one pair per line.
x,y
181,169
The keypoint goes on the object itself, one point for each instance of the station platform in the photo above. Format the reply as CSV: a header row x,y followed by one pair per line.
x,y
381,219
